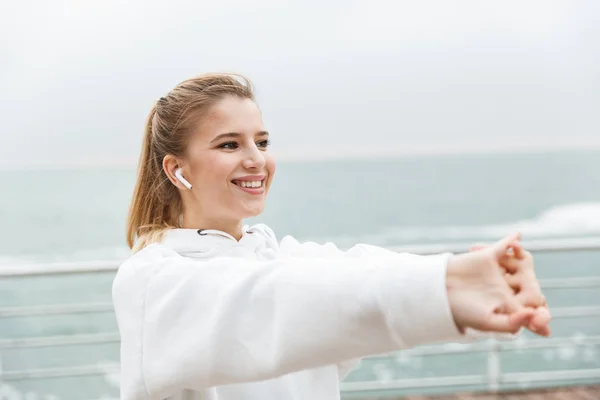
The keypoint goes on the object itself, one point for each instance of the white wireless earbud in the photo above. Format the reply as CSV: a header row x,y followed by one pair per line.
x,y
182,179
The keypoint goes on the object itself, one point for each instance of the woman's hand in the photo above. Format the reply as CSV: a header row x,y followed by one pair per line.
x,y
518,268
494,289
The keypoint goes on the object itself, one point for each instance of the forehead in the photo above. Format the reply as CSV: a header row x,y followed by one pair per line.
x,y
231,114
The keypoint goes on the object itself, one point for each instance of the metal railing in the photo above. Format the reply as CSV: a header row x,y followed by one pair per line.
x,y
78,268
492,379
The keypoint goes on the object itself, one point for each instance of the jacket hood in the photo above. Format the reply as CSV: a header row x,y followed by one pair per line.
x,y
205,243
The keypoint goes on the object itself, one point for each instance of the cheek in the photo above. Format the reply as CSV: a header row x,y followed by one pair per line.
x,y
271,166
210,170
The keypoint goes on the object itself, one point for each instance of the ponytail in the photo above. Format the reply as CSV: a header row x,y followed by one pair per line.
x,y
150,211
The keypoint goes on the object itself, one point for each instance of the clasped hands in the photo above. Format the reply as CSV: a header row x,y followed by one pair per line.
x,y
494,289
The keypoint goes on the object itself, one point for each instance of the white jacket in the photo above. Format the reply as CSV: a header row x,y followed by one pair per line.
x,y
203,316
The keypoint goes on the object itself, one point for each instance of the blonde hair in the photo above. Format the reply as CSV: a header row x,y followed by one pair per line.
x,y
156,204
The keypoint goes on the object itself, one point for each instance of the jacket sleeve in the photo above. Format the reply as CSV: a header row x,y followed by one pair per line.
x,y
233,320
360,251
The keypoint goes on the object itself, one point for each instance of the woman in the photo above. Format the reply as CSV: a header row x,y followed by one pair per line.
x,y
210,309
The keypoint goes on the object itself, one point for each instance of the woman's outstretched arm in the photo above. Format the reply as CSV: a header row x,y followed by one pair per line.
x,y
197,324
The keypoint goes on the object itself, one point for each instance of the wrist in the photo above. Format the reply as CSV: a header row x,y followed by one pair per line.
x,y
454,278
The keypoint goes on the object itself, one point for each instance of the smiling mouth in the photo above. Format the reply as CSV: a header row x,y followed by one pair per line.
x,y
249,184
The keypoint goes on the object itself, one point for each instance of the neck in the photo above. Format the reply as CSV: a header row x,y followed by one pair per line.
x,y
194,221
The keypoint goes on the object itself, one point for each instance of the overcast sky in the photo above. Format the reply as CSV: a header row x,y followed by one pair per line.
x,y
353,78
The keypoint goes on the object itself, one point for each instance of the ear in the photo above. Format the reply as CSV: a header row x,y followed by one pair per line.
x,y
170,164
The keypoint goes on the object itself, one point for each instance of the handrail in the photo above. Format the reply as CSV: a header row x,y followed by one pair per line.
x,y
59,372
434,382
421,351
56,309
66,268
484,346
470,380
545,245
355,387
538,246
62,309
60,340
570,283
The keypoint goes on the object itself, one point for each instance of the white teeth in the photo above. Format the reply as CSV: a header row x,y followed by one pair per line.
x,y
250,184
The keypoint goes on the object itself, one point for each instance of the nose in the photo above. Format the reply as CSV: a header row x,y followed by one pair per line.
x,y
254,158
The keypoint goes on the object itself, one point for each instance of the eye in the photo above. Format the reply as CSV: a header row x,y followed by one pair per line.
x,y
229,145
264,143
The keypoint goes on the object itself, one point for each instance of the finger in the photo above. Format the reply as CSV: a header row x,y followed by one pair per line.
x,y
510,263
519,278
545,331
522,317
501,246
540,321
514,281
530,295
518,251
511,306
509,323
539,330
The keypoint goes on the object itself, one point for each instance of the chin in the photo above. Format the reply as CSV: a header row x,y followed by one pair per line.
x,y
250,212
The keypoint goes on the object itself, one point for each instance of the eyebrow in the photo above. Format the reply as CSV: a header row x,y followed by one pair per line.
x,y
236,134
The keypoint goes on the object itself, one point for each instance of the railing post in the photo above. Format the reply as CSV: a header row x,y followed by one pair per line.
x,y
494,365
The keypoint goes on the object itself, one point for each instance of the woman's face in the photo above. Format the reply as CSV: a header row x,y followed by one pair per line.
x,y
228,162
